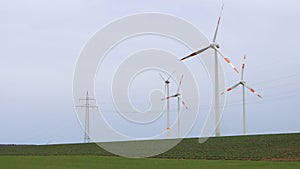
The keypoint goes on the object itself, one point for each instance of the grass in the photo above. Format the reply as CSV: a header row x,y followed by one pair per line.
x,y
259,147
96,162
281,147
239,152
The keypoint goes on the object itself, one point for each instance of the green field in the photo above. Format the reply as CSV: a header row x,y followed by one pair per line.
x,y
261,151
99,162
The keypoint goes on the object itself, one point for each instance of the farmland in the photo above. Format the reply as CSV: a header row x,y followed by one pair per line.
x,y
96,162
260,151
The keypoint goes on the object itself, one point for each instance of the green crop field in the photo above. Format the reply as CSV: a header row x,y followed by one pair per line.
x,y
261,151
100,162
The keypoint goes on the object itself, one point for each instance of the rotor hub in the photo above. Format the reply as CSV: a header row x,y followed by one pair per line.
x,y
215,44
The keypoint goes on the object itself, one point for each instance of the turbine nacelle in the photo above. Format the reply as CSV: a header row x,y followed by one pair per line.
x,y
215,45
242,82
177,95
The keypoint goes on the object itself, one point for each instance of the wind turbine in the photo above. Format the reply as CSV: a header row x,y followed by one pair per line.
x,y
179,99
167,89
244,85
215,46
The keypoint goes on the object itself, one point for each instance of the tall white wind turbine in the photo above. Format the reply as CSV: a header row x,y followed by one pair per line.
x,y
215,46
179,101
167,92
244,85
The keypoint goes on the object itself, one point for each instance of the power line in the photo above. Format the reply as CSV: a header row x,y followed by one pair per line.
x,y
278,78
87,107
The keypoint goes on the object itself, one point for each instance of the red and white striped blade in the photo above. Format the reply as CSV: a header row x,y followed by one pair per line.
x,y
195,53
226,59
217,28
253,91
243,67
231,88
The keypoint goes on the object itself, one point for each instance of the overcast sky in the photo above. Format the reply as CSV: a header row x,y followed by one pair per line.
x,y
42,39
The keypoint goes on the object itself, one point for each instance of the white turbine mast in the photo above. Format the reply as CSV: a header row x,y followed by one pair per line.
x,y
167,94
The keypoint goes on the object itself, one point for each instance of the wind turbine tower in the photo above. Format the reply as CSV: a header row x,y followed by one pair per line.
x,y
167,90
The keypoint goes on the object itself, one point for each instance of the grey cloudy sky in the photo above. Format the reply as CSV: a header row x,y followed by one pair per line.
x,y
41,41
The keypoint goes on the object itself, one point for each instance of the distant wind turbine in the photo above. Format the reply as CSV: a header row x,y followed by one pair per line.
x,y
243,83
180,100
215,46
167,90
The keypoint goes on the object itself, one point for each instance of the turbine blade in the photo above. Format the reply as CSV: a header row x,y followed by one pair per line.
x,y
253,91
162,77
227,60
184,104
170,76
167,98
217,28
196,53
180,84
231,88
243,67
